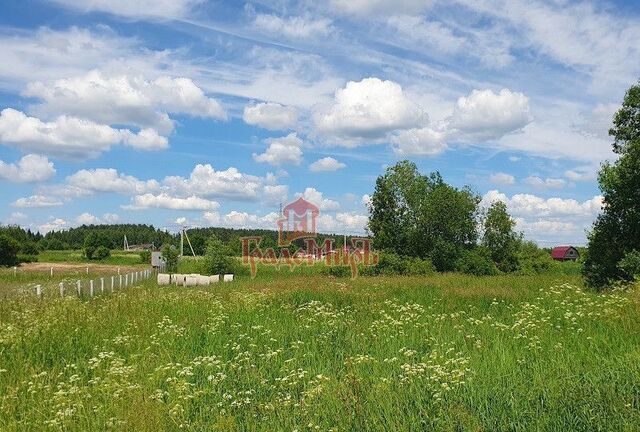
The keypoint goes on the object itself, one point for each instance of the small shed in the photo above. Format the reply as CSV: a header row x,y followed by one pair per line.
x,y
565,253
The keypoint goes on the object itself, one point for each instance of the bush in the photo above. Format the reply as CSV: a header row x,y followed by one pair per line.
x,y
26,258
8,250
337,271
532,260
29,248
391,264
218,259
478,262
170,255
93,242
630,265
101,252
145,257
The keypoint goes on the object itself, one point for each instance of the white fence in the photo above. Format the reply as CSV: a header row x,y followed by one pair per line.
x,y
99,286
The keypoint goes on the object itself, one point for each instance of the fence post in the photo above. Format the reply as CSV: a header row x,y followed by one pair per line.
x,y
51,272
61,289
39,290
79,284
118,271
15,270
102,285
112,284
91,288
87,269
119,281
126,279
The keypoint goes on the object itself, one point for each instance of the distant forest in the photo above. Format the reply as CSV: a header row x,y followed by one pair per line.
x,y
73,238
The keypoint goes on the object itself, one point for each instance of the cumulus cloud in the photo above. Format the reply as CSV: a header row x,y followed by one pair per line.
x,y
87,219
548,183
419,142
580,174
485,115
110,180
135,9
366,111
124,99
316,197
54,224
165,201
70,137
205,181
275,194
502,179
269,115
550,221
294,27
30,168
238,219
35,201
283,150
326,164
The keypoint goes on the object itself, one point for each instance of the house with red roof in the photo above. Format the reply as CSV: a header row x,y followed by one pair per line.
x,y
565,253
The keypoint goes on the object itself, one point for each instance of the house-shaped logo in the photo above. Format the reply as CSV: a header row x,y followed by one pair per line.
x,y
298,220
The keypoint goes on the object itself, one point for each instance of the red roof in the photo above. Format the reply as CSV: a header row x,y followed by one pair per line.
x,y
559,252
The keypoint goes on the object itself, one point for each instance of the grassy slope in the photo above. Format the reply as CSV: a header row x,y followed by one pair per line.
x,y
447,352
118,257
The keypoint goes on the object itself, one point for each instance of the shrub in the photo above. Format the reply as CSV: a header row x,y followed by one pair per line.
x,y
94,241
29,248
532,260
170,255
478,262
145,257
391,264
218,259
630,265
101,252
8,250
420,267
337,271
26,258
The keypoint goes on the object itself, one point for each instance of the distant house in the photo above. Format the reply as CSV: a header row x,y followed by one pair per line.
x,y
564,253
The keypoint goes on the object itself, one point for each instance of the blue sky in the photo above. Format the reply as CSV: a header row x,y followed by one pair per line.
x,y
212,113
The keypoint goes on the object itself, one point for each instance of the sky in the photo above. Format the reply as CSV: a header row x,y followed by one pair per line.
x,y
214,113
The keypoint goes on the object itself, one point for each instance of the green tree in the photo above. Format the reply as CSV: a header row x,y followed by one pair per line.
x,y
500,238
8,250
616,231
170,255
94,241
217,259
422,216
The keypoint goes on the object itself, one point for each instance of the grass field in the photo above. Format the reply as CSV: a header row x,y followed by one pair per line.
x,y
446,352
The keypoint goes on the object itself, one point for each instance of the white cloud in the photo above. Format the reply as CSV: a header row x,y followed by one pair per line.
x,y
380,7
110,218
69,137
366,200
342,223
283,150
109,180
237,219
272,116
275,194
502,179
165,201
56,224
87,219
124,99
580,174
316,197
367,110
293,27
549,221
205,181
485,115
135,9
326,164
419,142
35,201
549,183
30,168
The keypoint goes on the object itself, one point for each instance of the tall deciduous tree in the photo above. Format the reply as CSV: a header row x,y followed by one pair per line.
x,y
500,237
422,216
616,231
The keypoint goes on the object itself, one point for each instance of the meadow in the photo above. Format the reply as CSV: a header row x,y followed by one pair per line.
x,y
311,352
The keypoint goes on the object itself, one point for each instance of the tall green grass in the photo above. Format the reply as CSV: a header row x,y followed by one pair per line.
x,y
444,352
